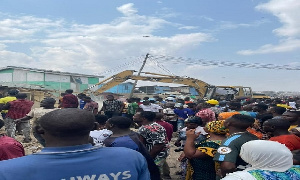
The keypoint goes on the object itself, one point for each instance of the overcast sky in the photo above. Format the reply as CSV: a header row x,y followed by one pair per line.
x,y
111,36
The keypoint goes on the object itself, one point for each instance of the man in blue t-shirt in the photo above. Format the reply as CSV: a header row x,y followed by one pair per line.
x,y
182,113
123,137
81,101
68,155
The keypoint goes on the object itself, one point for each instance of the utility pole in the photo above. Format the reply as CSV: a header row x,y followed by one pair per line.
x,y
135,82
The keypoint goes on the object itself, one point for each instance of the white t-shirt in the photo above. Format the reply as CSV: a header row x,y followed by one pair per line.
x,y
151,107
168,111
293,105
199,129
37,113
100,135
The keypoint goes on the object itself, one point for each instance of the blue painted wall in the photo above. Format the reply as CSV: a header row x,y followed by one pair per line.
x,y
121,88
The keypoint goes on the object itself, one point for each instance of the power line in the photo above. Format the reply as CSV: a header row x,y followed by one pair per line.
x,y
153,64
161,66
122,66
190,61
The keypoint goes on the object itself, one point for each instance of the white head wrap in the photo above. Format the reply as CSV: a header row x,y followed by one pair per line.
x,y
267,155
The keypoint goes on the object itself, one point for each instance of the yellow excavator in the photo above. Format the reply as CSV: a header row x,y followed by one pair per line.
x,y
204,89
228,92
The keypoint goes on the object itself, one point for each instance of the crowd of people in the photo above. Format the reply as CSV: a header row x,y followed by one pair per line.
x,y
242,139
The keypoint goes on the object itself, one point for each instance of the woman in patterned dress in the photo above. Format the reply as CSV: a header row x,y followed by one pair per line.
x,y
200,155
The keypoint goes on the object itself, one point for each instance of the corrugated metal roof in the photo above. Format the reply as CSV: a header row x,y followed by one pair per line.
x,y
22,85
49,71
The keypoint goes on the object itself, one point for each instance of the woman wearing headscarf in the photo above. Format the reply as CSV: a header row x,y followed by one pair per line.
x,y
269,160
206,114
200,155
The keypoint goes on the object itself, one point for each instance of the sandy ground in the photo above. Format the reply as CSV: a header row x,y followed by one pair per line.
x,y
173,163
172,160
32,147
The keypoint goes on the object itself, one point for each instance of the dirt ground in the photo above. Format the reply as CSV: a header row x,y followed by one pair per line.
x,y
173,163
172,160
30,148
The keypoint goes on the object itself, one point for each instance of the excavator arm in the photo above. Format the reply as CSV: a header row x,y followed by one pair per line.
x,y
200,86
112,81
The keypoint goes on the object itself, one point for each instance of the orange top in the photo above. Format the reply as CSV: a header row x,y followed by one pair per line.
x,y
255,133
291,141
187,102
226,115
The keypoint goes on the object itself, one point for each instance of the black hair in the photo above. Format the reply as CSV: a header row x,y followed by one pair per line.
x,y
279,123
235,104
266,117
148,115
187,98
277,101
297,112
279,110
195,119
146,102
13,92
262,106
21,96
247,107
137,99
68,122
120,122
242,121
159,116
87,97
191,105
69,91
50,100
101,119
81,95
1,123
180,101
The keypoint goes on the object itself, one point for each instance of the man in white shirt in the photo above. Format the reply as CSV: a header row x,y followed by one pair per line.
x,y
147,106
101,133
